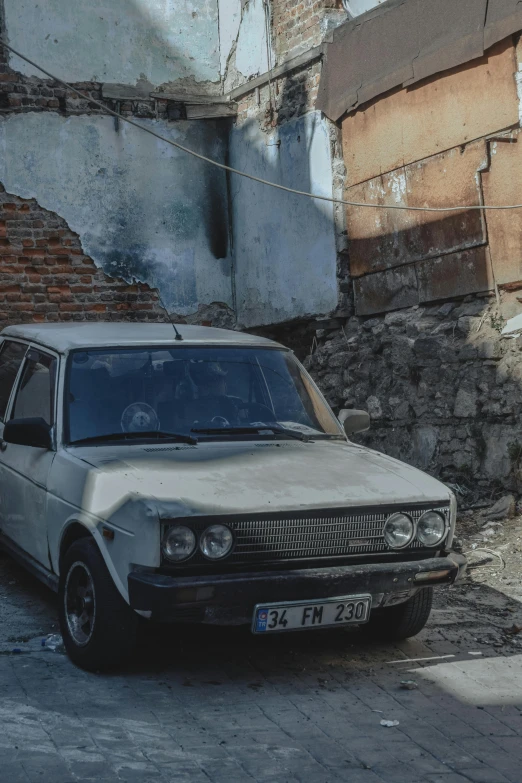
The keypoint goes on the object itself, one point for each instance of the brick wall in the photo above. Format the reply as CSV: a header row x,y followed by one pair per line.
x,y
19,94
298,25
292,95
45,276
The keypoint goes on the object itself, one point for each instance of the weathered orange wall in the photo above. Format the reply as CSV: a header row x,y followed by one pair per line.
x,y
381,239
392,151
437,114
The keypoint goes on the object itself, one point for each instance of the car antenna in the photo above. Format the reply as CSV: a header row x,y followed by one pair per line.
x,y
171,322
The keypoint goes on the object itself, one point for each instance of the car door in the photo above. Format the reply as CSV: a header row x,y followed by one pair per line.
x,y
25,468
12,353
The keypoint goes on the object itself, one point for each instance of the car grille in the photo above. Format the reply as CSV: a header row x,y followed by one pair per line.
x,y
323,534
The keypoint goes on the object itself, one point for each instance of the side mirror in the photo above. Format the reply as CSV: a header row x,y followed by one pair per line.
x,y
354,421
28,432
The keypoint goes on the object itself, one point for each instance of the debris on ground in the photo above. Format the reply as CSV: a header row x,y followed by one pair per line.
x,y
390,724
505,508
53,642
492,586
409,685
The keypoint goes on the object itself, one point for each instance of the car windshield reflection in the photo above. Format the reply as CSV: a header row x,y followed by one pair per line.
x,y
215,392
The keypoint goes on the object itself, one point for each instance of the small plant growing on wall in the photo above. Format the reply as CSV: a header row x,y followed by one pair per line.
x,y
497,322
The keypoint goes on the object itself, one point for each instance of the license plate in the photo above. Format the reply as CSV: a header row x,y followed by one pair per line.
x,y
301,615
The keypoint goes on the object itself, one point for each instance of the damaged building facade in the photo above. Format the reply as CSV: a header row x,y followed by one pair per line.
x,y
427,95
403,102
144,212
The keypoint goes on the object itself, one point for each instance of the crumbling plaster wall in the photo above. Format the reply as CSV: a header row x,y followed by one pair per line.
x,y
142,209
45,275
146,212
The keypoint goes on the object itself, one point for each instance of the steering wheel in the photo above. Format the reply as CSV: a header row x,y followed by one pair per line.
x,y
139,417
220,421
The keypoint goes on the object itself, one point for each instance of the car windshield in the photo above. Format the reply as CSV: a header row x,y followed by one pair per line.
x,y
208,392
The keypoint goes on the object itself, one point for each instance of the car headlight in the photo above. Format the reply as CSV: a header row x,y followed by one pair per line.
x,y
399,531
431,528
216,542
179,543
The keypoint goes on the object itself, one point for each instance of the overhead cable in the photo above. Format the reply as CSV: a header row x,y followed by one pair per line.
x,y
231,170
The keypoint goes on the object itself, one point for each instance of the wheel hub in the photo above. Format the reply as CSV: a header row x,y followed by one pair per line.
x,y
80,603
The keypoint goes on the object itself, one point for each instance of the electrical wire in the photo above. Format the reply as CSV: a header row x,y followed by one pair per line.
x,y
231,170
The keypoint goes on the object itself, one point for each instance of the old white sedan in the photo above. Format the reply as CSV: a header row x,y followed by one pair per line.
x,y
204,479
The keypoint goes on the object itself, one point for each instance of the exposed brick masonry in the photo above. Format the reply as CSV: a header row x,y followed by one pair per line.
x,y
296,24
292,95
19,94
45,275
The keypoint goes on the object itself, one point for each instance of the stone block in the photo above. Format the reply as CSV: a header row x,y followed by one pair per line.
x,y
466,402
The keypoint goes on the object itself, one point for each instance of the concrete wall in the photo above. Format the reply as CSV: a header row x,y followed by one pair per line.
x,y
117,41
141,209
284,245
128,40
243,40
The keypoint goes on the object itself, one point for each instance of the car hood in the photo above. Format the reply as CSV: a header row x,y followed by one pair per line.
x,y
238,477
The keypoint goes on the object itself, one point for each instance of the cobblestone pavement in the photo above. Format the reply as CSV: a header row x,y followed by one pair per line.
x,y
219,705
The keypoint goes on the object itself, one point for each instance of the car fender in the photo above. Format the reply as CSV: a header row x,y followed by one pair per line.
x,y
95,529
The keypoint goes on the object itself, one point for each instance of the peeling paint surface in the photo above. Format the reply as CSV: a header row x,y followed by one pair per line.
x,y
117,41
142,209
284,244
229,21
251,52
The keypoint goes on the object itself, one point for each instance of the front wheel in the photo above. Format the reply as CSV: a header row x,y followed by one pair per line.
x,y
98,627
394,623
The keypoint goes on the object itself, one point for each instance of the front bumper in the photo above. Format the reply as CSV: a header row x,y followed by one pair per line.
x,y
229,599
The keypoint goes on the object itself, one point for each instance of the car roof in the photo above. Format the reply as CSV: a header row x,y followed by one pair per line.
x,y
65,337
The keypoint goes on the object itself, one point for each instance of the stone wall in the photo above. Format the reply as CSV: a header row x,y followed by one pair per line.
x,y
443,388
45,275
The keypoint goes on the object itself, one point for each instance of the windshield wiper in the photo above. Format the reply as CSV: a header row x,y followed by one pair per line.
x,y
250,430
175,436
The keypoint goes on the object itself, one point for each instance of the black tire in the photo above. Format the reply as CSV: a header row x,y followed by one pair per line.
x,y
107,636
399,622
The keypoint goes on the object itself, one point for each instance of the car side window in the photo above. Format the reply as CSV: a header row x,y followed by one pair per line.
x,y
35,394
11,357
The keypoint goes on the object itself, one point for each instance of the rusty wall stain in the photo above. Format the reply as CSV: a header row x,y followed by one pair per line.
x,y
437,114
383,291
456,274
381,239
503,185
